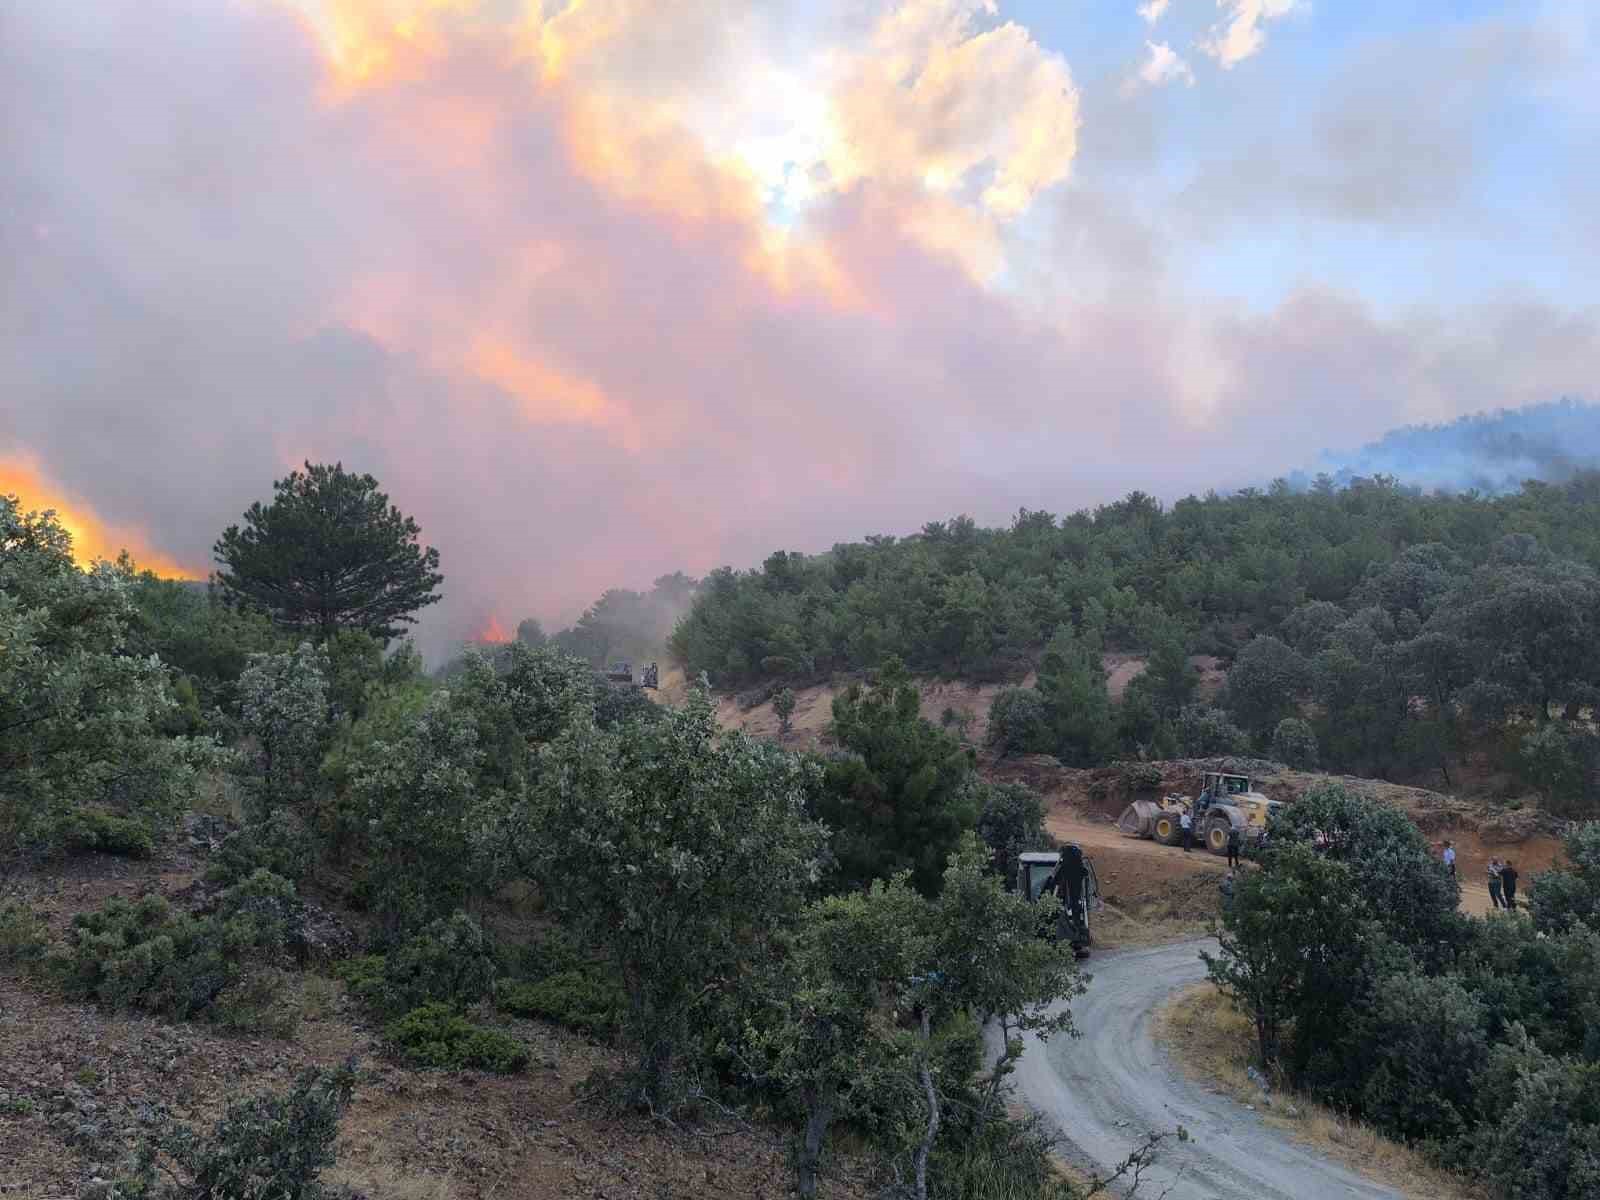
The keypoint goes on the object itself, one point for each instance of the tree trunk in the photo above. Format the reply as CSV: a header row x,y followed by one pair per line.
x,y
819,1115
925,1072
991,1091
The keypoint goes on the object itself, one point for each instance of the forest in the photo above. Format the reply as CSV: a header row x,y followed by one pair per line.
x,y
814,942
1371,629
757,933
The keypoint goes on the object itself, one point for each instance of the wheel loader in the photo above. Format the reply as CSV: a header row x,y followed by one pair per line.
x,y
1035,868
1226,802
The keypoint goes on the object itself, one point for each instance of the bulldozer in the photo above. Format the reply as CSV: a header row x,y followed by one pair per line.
x,y
1226,802
1034,870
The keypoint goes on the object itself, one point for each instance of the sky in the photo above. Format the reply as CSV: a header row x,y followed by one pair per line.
x,y
605,289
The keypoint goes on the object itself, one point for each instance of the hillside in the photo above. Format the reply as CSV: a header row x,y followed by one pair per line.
x,y
1420,638
967,704
79,1084
1082,804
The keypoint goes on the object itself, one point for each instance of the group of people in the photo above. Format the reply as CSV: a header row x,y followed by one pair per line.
x,y
1502,878
1503,884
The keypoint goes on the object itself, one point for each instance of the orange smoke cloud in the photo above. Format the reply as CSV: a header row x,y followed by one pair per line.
x,y
93,538
547,394
373,42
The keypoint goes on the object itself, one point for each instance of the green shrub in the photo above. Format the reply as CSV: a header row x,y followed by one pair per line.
x,y
1019,722
435,1035
23,936
552,952
266,910
1540,1137
254,1003
279,844
263,1148
451,961
143,955
783,704
1204,732
1557,761
1004,1159
364,977
1010,823
579,999
1294,743
1140,776
1423,1038
85,830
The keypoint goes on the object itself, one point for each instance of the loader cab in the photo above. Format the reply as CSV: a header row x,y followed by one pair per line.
x,y
1033,869
1223,786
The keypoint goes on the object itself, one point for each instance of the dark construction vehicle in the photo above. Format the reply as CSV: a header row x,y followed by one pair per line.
x,y
1081,893
622,672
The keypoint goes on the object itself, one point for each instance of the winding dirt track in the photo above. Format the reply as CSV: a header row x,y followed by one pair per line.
x,y
1107,1089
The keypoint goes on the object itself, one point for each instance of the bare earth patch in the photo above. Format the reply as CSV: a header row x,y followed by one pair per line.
x,y
1212,1042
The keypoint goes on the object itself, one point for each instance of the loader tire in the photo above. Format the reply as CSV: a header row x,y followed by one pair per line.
x,y
1167,831
1217,837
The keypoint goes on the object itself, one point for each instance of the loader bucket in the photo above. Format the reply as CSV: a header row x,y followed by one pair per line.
x,y
1138,819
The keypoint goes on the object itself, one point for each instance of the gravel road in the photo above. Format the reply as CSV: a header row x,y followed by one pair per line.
x,y
1108,1088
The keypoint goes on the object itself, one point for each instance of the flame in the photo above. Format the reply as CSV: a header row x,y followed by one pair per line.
x,y
93,538
493,633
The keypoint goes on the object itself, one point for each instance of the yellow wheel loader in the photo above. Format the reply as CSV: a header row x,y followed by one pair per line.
x,y
1226,803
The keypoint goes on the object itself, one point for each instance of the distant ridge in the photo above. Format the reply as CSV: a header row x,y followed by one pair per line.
x,y
1492,453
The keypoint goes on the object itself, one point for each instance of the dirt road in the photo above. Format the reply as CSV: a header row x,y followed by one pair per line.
x,y
1113,1085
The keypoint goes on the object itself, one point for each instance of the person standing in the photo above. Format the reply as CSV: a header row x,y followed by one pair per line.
x,y
1226,888
1187,826
1508,884
1450,858
1234,842
1494,884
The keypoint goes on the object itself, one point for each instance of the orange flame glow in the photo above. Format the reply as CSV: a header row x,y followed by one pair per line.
x,y
92,537
493,633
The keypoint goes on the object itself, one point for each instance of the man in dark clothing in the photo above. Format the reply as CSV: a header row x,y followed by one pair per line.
x,y
1234,843
1070,880
1508,884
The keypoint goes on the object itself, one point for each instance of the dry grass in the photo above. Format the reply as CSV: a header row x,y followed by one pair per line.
x,y
1212,1041
1119,928
382,1182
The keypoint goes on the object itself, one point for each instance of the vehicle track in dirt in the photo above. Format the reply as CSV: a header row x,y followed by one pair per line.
x,y
1106,1090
